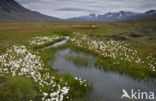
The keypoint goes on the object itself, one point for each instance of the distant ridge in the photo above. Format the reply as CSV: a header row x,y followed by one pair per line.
x,y
122,15
10,10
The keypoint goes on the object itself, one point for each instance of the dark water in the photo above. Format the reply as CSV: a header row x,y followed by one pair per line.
x,y
107,86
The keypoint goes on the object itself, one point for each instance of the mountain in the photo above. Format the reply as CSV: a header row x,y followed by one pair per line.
x,y
150,12
90,17
122,15
10,10
116,16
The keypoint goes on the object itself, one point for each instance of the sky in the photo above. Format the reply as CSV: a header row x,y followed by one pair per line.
x,y
74,8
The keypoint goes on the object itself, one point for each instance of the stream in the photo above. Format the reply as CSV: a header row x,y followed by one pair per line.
x,y
107,85
59,43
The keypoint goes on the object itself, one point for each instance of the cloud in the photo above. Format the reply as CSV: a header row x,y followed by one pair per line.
x,y
72,8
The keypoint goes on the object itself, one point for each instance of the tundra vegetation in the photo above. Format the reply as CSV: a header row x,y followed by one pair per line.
x,y
127,47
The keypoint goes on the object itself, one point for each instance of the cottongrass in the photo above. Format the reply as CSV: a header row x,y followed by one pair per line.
x,y
119,50
82,81
20,61
43,40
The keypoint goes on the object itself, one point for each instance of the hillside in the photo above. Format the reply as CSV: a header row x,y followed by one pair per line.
x,y
10,10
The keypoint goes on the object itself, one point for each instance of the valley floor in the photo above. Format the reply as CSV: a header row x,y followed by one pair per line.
x,y
126,47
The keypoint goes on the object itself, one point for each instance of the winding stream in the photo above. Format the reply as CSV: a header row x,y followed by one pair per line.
x,y
60,42
107,85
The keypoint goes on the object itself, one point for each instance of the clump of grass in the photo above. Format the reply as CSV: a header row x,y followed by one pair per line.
x,y
17,89
77,89
78,60
137,71
22,88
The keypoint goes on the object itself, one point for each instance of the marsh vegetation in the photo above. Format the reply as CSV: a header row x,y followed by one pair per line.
x,y
110,52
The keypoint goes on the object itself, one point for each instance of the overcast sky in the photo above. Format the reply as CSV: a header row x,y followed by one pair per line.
x,y
73,8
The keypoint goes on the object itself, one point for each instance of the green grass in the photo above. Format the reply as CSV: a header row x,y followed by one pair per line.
x,y
137,71
76,91
18,89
